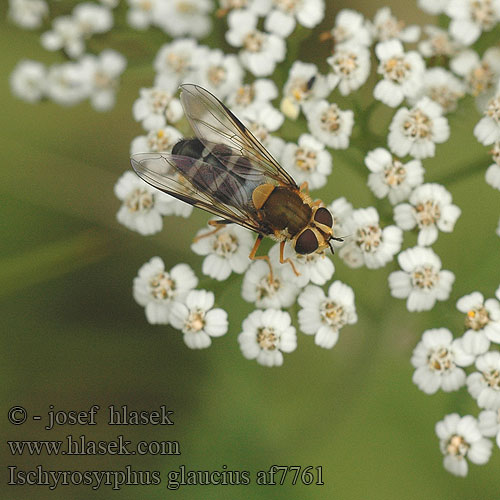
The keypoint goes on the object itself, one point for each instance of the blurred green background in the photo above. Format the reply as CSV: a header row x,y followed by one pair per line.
x,y
73,335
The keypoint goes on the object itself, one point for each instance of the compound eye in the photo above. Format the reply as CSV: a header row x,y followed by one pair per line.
x,y
323,216
306,242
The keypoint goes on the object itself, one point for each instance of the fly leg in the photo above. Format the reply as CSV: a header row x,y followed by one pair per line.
x,y
283,260
216,224
252,256
304,187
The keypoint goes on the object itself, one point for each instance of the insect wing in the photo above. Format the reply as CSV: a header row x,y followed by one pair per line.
x,y
215,125
198,183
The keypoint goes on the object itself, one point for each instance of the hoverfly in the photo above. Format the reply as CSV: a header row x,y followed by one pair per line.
x,y
226,171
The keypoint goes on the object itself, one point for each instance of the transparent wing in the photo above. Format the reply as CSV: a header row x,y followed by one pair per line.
x,y
200,184
214,124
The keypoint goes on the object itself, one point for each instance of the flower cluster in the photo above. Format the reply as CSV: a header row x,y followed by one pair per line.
x,y
420,78
422,97
441,361
86,76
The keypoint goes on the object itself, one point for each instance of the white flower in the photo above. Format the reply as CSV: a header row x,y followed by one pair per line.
x,y
460,438
226,250
143,205
386,26
480,74
369,244
315,267
487,131
489,424
261,120
266,336
27,14
329,124
91,18
430,209
156,107
438,42
351,26
421,280
470,19
101,74
492,175
484,385
442,87
481,316
175,62
308,161
66,35
110,4
433,6
416,131
282,19
350,64
437,359
323,316
259,289
141,14
66,84
184,17
157,289
28,80
261,90
196,317
259,51
402,73
219,73
474,343
390,177
161,140
259,7
304,86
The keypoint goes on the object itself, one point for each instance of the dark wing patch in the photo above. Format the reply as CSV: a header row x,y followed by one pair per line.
x,y
173,174
214,124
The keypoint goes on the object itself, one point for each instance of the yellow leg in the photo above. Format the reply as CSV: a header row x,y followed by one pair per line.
x,y
217,224
252,256
305,187
283,260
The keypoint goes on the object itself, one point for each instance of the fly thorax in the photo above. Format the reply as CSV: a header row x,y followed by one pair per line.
x,y
284,208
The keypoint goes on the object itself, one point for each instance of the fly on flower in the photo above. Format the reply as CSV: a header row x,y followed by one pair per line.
x,y
226,171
